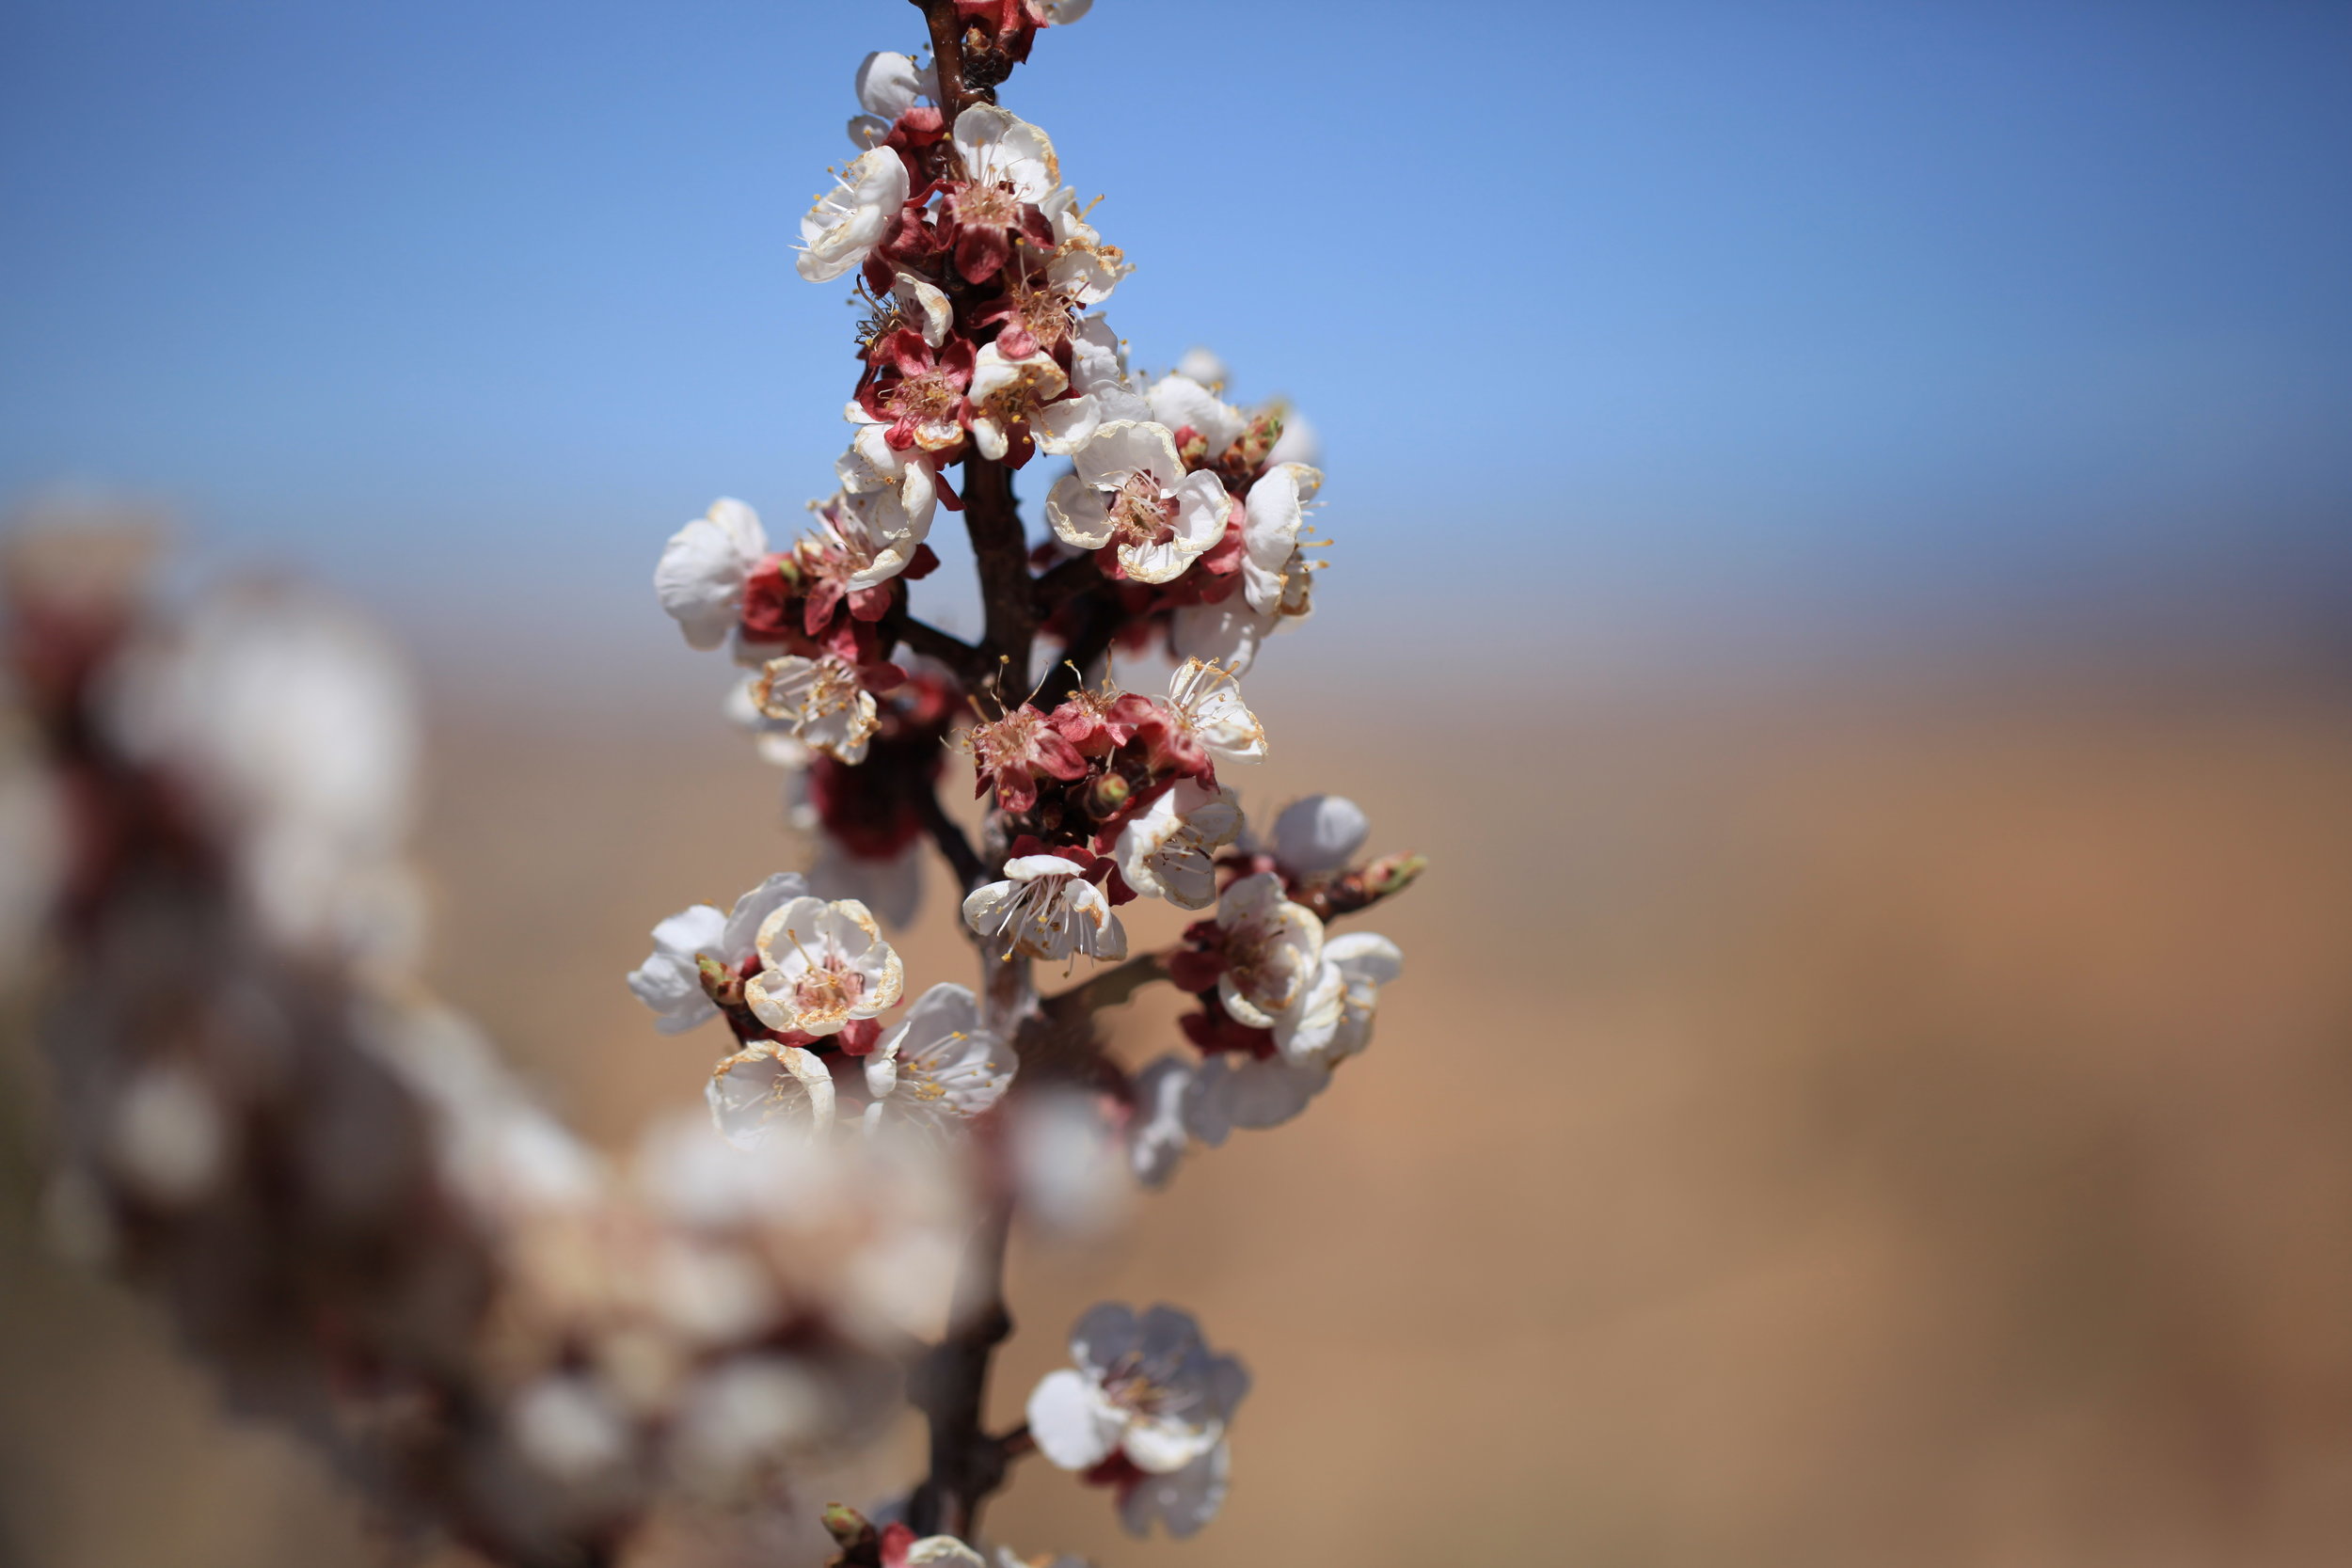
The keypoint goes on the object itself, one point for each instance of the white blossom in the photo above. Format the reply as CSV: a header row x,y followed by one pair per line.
x,y
1129,486
1298,442
1271,520
892,887
1067,1163
704,567
289,723
1157,1135
1331,1024
1273,953
1277,578
888,84
1002,151
1320,834
1028,391
1363,962
1208,702
922,305
823,700
1181,1501
1201,365
670,982
868,531
826,965
1235,1090
772,738
1045,908
851,219
769,1090
1147,1389
1098,371
939,1067
1178,401
1167,851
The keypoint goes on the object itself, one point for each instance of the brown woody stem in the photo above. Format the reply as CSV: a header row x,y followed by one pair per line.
x,y
992,519
950,1387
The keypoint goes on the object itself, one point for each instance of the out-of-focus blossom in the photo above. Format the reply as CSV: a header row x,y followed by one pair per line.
x,y
1157,1136
769,1090
939,1067
889,85
704,568
290,723
32,847
1320,834
1098,371
670,979
1147,1391
1180,402
891,886
851,219
823,701
1067,1159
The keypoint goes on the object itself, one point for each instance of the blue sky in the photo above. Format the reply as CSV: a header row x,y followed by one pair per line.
x,y
1840,302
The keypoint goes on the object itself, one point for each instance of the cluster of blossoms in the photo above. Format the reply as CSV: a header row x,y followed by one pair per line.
x,y
1175,522
354,1214
369,1226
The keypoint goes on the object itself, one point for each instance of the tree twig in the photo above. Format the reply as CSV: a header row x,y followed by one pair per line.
x,y
970,870
1107,989
1098,626
1067,580
950,1387
950,650
948,55
1001,545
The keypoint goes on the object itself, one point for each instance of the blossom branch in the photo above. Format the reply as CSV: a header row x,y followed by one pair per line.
x,y
1066,581
970,870
955,94
950,650
993,518
950,1387
1098,629
1107,989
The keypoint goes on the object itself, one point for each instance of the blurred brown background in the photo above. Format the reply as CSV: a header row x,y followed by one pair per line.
x,y
1816,1127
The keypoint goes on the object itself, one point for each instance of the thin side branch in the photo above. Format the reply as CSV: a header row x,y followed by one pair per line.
x,y
1067,580
1098,627
1107,989
950,650
970,870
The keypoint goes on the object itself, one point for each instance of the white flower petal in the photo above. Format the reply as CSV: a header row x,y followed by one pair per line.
x,y
1075,1428
1322,832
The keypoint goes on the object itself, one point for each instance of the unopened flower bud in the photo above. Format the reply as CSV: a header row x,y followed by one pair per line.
x,y
1108,794
1250,447
720,984
1394,874
852,1533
